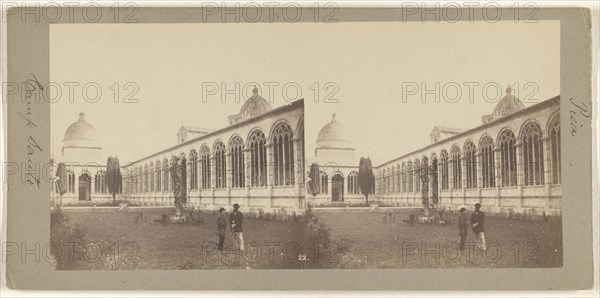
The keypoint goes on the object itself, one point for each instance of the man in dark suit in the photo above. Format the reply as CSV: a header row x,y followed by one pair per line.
x,y
477,221
221,227
462,227
236,219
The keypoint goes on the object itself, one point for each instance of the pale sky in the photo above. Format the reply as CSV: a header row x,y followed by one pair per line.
x,y
368,62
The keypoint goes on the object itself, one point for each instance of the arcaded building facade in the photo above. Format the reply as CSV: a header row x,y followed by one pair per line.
x,y
256,161
510,163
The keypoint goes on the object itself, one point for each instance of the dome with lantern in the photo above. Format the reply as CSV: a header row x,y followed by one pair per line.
x,y
81,134
334,145
509,104
334,135
254,106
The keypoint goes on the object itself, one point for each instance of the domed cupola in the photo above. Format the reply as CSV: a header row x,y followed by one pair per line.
x,y
333,135
334,145
254,106
81,134
509,104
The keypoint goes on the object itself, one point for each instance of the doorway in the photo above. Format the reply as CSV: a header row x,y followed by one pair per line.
x,y
85,187
337,188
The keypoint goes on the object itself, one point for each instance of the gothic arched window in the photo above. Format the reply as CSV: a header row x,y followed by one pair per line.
x,y
205,162
165,170
193,170
236,147
508,158
417,171
157,170
533,154
283,154
398,179
258,159
324,181
456,168
146,178
151,177
139,180
488,169
410,176
387,181
555,148
134,180
125,181
444,169
392,177
353,182
174,167
471,165
404,176
220,166
71,188
384,181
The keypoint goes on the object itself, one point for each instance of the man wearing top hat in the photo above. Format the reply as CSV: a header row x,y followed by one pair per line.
x,y
236,219
477,220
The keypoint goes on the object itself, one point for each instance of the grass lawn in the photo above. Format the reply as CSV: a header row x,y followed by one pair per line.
x,y
371,243
105,240
151,245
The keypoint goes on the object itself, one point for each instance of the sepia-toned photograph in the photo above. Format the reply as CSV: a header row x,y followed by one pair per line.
x,y
185,168
194,173
445,156
337,148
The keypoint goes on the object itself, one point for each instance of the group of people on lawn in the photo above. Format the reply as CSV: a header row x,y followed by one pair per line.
x,y
477,221
236,220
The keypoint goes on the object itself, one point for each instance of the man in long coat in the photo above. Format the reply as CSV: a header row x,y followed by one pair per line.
x,y
477,221
236,219
221,227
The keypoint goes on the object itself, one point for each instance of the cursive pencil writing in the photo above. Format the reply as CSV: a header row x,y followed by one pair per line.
x,y
578,109
31,87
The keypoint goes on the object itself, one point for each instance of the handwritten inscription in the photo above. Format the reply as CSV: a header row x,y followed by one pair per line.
x,y
32,86
577,111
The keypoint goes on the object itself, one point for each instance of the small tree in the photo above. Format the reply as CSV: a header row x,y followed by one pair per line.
x,y
314,184
365,177
62,180
113,177
177,182
424,179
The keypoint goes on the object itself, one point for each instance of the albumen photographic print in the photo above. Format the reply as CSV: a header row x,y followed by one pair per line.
x,y
298,147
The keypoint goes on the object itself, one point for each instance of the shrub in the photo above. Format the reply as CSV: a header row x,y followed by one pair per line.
x,y
63,230
58,216
319,234
511,213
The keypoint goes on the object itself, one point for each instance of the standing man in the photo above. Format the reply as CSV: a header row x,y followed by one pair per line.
x,y
477,220
236,219
221,227
462,227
